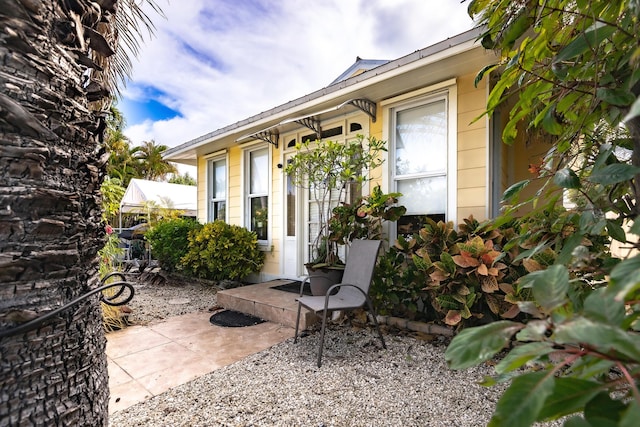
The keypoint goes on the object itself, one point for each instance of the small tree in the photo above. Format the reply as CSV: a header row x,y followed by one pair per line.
x,y
185,179
330,170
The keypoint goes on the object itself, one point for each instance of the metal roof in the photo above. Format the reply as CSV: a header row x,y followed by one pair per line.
x,y
389,79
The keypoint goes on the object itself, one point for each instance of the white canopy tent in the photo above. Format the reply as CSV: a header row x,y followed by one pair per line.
x,y
141,194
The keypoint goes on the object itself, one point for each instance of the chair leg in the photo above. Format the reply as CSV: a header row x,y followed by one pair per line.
x,y
375,321
295,340
324,327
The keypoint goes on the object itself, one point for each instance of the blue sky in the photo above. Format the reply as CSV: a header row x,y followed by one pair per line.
x,y
215,62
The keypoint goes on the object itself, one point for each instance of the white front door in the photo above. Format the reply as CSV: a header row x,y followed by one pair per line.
x,y
293,252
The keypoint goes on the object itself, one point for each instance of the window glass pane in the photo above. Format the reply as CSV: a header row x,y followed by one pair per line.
x,y
217,189
291,207
421,139
424,196
259,167
259,215
220,179
219,209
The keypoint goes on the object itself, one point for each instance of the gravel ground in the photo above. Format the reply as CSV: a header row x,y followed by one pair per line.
x,y
155,300
359,383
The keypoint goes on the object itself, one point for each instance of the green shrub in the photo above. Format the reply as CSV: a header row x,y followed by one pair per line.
x,y
170,241
472,275
395,289
219,251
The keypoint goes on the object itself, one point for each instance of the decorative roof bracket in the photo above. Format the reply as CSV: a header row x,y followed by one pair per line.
x,y
270,135
311,123
369,107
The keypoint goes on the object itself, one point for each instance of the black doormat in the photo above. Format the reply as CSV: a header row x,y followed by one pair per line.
x,y
234,319
294,287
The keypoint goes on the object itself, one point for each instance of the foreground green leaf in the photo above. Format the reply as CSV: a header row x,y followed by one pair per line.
x,y
577,422
511,192
625,278
585,41
523,354
613,174
566,178
569,396
606,339
475,345
631,416
520,405
549,286
634,111
603,411
601,306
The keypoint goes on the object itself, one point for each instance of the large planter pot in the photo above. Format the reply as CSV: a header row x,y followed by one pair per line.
x,y
321,279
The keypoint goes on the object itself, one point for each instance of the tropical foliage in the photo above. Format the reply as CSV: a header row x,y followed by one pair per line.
x,y
468,275
184,179
331,170
112,192
127,162
570,71
169,241
150,163
364,218
220,251
110,253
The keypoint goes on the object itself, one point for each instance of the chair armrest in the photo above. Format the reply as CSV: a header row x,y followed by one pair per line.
x,y
306,279
338,286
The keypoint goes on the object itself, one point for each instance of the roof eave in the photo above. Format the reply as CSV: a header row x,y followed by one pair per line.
x,y
187,152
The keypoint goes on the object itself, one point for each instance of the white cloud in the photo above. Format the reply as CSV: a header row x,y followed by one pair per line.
x,y
220,61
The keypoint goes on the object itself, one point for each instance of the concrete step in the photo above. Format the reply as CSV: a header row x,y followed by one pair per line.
x,y
269,304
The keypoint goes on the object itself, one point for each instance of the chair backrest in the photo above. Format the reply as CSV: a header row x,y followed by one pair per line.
x,y
361,262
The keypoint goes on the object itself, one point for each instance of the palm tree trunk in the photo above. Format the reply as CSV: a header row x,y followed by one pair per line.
x,y
50,218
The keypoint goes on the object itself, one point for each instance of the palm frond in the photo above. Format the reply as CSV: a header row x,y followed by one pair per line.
x,y
131,24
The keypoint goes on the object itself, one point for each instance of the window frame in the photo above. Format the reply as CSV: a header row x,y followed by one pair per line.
x,y
211,161
446,90
263,244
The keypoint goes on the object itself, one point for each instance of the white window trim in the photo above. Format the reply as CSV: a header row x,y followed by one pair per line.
x,y
214,157
247,148
449,89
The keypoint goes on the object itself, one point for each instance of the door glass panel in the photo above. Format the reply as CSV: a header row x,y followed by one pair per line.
x,y
291,207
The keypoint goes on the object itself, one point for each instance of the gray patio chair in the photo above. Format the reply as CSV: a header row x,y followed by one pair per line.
x,y
351,294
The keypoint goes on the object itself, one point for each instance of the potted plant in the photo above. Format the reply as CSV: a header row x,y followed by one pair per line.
x,y
332,172
363,219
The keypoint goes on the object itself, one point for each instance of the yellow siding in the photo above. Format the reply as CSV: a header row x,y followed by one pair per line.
x,y
235,193
472,149
470,139
202,190
375,130
470,159
471,178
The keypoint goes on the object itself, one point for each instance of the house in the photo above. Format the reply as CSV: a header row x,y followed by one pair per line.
x,y
443,155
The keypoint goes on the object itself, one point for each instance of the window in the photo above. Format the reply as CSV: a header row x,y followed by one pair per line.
x,y
217,190
419,162
258,192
